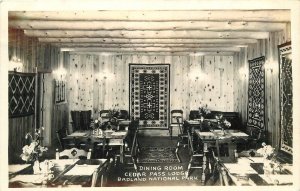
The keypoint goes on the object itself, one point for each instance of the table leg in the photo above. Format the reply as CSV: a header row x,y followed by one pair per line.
x,y
121,153
204,161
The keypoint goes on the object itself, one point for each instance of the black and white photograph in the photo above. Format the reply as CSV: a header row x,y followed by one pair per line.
x,y
162,94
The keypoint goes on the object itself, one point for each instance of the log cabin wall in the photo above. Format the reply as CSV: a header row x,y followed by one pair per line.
x,y
101,81
45,57
268,48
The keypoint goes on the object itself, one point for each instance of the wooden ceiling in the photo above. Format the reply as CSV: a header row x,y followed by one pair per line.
x,y
203,31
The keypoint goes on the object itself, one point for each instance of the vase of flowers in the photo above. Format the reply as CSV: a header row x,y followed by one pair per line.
x,y
271,165
222,123
32,152
203,111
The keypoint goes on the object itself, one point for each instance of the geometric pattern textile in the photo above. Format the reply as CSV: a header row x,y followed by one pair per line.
x,y
286,98
149,94
256,93
157,155
21,94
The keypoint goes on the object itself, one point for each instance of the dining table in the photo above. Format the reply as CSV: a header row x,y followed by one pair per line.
x,y
106,137
248,171
212,138
59,173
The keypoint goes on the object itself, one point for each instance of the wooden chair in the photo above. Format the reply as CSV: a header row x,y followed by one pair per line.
x,y
73,153
104,114
76,120
182,136
218,168
132,145
85,119
123,114
174,122
60,134
195,153
102,172
194,114
256,138
254,141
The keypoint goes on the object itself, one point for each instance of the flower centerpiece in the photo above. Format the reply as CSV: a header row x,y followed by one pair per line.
x,y
113,113
222,122
203,111
113,116
271,165
33,151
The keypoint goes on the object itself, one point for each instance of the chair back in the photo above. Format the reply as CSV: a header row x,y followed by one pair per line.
x,y
256,133
176,116
60,134
73,153
75,115
123,114
104,114
131,138
85,119
219,167
194,114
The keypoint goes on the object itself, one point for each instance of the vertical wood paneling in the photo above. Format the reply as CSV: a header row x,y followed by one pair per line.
x,y
187,92
267,48
34,54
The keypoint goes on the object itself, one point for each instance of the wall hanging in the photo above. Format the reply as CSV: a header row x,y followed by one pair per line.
x,y
21,93
149,94
286,97
256,93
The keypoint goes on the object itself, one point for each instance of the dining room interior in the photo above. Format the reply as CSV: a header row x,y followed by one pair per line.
x,y
154,97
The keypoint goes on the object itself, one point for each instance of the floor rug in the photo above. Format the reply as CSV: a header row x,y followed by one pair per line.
x,y
157,155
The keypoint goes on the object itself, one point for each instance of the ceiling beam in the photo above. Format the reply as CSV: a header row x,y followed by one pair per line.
x,y
146,34
152,49
124,25
208,15
158,53
145,40
186,45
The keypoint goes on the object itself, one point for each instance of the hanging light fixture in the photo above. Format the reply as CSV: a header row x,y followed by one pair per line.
x,y
15,64
60,74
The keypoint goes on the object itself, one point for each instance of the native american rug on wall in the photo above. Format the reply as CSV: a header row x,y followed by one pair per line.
x,y
21,92
149,94
256,93
286,97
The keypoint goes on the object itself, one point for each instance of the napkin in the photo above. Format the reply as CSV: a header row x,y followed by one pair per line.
x,y
77,134
206,134
82,170
239,134
234,168
119,133
33,178
278,178
17,167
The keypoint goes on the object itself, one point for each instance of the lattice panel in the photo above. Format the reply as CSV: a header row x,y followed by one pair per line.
x,y
21,90
286,98
256,93
149,94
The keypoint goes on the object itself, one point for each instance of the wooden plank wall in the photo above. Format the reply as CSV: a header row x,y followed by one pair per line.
x,y
34,54
267,48
90,90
